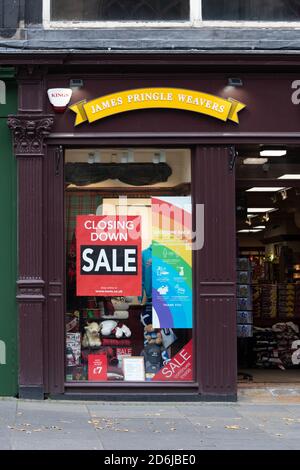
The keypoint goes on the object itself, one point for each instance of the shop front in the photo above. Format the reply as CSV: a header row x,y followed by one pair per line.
x,y
127,227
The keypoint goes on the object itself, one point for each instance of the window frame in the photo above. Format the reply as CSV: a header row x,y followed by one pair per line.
x,y
195,20
195,16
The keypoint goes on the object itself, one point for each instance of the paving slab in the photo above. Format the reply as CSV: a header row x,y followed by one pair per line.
x,y
5,444
55,444
65,407
222,411
149,434
7,411
141,411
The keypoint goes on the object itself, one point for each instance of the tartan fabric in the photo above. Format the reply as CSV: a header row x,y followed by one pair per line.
x,y
79,203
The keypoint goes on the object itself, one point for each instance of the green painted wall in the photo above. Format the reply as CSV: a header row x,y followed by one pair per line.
x,y
8,251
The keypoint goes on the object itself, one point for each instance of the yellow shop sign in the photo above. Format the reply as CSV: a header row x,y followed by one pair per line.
x,y
145,98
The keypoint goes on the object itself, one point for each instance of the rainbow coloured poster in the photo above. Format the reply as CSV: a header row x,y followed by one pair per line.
x,y
172,262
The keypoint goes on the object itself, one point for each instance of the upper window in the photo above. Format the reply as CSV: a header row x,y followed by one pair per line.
x,y
120,10
251,10
182,12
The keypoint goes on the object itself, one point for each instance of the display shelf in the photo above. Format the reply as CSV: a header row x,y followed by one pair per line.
x,y
268,322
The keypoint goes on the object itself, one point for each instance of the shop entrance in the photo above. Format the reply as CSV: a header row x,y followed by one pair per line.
x,y
268,264
129,315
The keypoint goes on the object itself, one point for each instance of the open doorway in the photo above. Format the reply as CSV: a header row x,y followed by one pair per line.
x,y
268,264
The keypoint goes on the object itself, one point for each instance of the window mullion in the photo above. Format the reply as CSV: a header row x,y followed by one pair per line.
x,y
195,10
46,12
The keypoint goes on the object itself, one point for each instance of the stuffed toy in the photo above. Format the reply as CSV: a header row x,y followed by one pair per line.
x,y
91,336
107,327
111,327
117,307
122,330
152,336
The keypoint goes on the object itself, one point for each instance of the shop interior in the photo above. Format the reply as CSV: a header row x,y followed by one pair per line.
x,y
268,264
115,182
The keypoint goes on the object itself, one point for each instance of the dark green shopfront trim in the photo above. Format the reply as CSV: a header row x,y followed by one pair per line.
x,y
8,251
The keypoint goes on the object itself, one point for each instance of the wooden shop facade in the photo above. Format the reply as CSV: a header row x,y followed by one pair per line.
x,y
155,128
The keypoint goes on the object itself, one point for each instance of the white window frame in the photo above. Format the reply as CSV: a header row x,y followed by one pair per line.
x,y
194,21
195,17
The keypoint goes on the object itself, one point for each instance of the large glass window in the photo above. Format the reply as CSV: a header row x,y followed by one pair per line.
x,y
129,313
120,10
251,10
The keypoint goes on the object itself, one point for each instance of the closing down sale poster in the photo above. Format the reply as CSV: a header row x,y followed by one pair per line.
x,y
108,255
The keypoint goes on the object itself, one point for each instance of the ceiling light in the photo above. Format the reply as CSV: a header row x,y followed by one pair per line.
x,y
264,189
261,209
272,153
255,161
235,81
266,217
250,230
274,199
91,158
289,177
261,227
283,194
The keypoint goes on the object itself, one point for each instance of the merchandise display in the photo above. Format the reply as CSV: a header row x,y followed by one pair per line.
x,y
286,300
274,347
275,307
113,337
244,299
269,300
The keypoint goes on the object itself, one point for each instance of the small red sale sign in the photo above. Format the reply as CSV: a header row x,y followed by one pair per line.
x,y
97,367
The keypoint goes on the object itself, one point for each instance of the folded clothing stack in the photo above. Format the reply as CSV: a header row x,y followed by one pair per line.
x,y
256,300
297,301
273,346
286,300
269,300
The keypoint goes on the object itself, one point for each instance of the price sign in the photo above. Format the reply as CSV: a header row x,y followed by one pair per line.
x,y
97,367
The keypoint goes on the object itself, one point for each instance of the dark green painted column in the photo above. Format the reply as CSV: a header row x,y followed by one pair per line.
x,y
8,252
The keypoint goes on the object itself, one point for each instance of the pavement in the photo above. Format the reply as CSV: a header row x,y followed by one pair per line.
x,y
261,419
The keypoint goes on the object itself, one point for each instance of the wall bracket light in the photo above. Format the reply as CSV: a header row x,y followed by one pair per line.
x,y
76,83
235,81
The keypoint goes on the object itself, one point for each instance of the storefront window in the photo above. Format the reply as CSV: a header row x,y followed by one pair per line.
x,y
114,10
129,310
251,10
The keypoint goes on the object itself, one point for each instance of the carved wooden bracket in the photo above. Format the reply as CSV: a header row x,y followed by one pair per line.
x,y
29,133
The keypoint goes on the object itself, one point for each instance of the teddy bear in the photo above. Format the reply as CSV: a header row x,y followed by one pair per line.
x,y
152,336
91,336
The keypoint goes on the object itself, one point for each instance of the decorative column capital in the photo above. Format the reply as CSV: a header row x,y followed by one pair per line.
x,y
29,133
